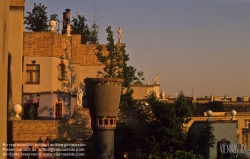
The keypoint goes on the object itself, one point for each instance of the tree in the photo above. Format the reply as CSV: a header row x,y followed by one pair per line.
x,y
166,125
137,154
204,140
93,38
29,112
115,66
124,137
54,17
140,78
88,36
115,63
37,19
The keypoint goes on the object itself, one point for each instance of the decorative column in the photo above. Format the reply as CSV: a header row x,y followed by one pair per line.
x,y
17,109
52,25
209,114
233,114
103,95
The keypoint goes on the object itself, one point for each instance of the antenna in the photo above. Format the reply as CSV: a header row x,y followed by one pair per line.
x,y
96,13
94,18
192,92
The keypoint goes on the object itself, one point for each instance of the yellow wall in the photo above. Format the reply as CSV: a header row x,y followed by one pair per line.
x,y
49,74
15,48
141,91
241,117
4,28
82,72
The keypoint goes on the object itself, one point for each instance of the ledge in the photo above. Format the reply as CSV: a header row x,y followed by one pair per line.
x,y
217,121
100,80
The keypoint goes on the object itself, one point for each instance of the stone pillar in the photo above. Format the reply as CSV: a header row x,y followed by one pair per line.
x,y
103,143
103,134
103,95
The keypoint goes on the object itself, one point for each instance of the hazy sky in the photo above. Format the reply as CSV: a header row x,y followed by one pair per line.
x,y
192,44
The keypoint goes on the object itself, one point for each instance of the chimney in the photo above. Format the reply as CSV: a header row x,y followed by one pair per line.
x,y
66,20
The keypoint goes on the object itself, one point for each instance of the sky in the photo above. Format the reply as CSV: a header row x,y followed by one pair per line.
x,y
200,47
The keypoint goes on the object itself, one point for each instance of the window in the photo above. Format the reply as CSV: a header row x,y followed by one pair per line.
x,y
247,123
245,139
62,72
58,110
32,73
237,138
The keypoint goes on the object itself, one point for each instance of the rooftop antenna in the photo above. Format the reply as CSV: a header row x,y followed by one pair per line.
x,y
192,92
96,14
94,18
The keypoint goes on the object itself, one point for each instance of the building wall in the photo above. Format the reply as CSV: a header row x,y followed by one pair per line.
x,y
81,72
32,130
241,121
49,74
141,91
50,87
202,118
52,44
57,131
4,29
222,129
84,54
46,44
47,104
241,117
15,53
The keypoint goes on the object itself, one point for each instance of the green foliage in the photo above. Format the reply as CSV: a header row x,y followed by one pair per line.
x,y
203,141
93,37
137,154
31,112
166,125
155,150
183,109
124,137
206,135
140,78
178,154
115,66
115,63
184,155
54,17
167,138
88,35
127,102
37,19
